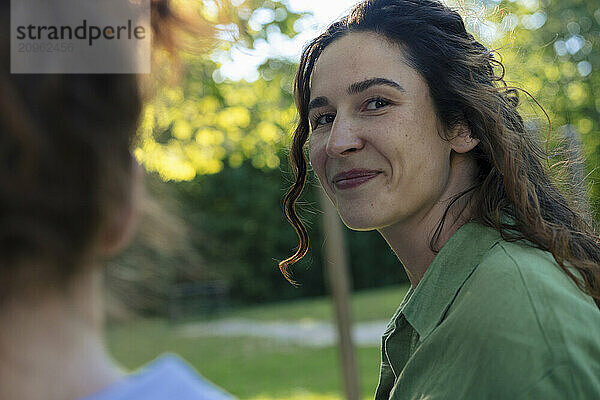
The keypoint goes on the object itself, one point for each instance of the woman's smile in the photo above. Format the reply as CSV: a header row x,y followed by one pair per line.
x,y
353,178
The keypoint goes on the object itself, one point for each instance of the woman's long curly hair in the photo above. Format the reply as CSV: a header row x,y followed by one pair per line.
x,y
513,176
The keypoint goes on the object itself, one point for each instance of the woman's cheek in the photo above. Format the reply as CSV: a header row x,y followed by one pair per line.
x,y
318,155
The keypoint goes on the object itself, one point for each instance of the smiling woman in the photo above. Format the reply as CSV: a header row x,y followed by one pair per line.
x,y
412,133
374,104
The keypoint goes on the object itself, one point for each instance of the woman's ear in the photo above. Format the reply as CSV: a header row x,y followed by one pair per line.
x,y
460,138
122,224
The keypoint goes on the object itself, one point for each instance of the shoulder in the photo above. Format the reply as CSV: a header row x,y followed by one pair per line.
x,y
529,280
523,309
177,379
168,377
525,285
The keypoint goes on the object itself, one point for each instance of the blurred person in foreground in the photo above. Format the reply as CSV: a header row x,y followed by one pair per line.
x,y
69,189
413,132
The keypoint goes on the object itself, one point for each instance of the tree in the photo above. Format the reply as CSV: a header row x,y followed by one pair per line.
x,y
551,49
200,125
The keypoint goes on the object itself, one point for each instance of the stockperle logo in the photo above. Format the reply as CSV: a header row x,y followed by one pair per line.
x,y
80,36
90,33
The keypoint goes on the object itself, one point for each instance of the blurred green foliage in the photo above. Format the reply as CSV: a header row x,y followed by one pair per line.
x,y
201,126
203,123
220,144
551,48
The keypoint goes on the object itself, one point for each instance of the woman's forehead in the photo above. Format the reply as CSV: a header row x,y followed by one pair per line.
x,y
358,56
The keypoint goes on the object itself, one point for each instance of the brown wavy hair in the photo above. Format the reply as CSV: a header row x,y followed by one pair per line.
x,y
65,155
513,178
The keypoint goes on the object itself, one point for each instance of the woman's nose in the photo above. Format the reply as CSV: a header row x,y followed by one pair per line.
x,y
343,138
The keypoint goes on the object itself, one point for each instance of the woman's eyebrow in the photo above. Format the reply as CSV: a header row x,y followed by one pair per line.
x,y
361,86
317,102
355,88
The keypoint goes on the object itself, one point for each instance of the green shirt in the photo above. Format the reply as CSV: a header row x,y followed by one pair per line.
x,y
492,319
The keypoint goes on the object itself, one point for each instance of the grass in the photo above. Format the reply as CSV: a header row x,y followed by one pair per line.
x,y
367,305
262,369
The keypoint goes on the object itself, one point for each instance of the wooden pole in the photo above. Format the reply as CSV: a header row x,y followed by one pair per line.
x,y
336,265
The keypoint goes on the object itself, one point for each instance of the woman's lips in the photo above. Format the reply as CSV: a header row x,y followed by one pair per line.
x,y
353,178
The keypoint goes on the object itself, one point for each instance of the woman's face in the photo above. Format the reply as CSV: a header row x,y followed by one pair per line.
x,y
375,143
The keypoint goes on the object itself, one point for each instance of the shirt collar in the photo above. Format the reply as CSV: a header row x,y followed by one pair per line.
x,y
454,263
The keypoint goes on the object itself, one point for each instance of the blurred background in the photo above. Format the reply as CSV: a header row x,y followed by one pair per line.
x,y
201,278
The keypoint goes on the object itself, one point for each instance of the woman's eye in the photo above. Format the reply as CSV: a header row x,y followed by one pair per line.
x,y
374,104
324,119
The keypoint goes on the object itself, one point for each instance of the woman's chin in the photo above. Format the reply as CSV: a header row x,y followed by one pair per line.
x,y
357,223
